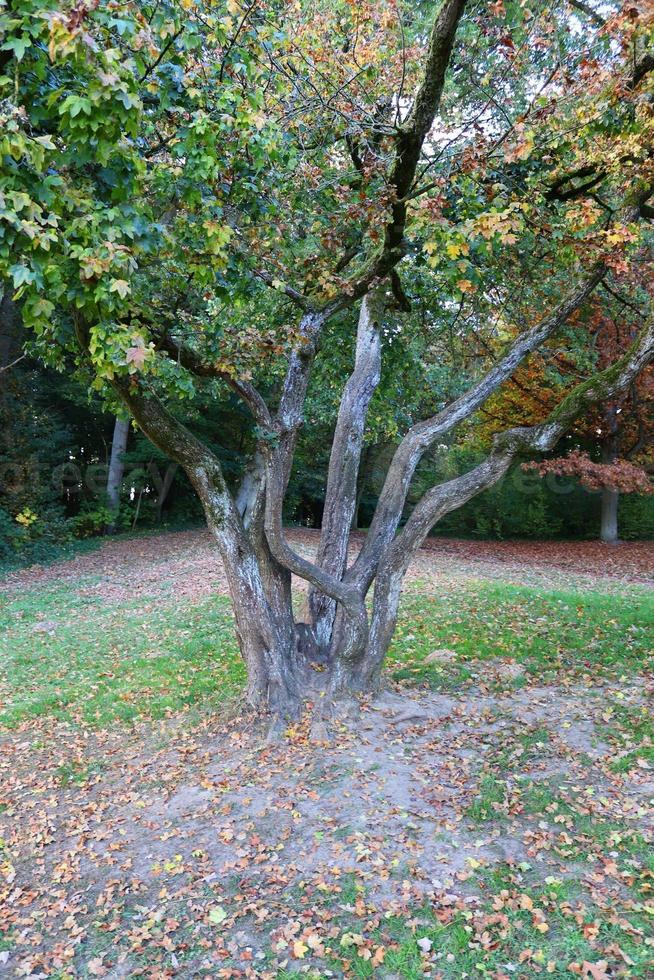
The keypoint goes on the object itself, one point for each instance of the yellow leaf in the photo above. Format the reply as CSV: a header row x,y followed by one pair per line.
x,y
120,286
217,915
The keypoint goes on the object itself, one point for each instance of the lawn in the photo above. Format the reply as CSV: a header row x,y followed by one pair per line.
x,y
82,660
148,833
74,657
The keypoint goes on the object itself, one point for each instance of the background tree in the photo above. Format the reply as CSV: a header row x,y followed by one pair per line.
x,y
116,468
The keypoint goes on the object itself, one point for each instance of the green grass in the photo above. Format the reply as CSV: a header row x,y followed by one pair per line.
x,y
77,658
632,731
490,797
549,632
525,930
82,660
466,949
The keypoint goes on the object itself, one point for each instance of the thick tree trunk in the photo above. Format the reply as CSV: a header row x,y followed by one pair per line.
x,y
259,588
264,628
116,469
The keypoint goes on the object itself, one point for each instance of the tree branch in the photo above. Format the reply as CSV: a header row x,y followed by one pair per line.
x,y
345,456
13,363
586,9
451,495
194,363
422,435
293,294
408,147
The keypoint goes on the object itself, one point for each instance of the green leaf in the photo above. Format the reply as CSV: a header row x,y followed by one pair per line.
x,y
21,274
18,45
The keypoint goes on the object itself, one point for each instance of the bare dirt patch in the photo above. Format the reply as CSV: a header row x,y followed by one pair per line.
x,y
179,851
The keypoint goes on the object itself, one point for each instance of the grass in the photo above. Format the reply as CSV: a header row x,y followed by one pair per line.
x,y
74,657
67,654
516,930
550,632
465,948
81,660
490,797
632,731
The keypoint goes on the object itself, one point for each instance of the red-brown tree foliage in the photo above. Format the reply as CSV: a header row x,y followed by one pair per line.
x,y
621,475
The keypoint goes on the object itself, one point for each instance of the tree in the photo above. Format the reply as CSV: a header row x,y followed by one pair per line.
x,y
623,429
179,178
618,432
116,468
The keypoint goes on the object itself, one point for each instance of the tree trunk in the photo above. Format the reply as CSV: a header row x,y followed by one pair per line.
x,y
164,487
610,497
341,493
609,528
259,587
265,629
116,469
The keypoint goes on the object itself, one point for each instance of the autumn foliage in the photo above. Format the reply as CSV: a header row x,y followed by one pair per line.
x,y
622,475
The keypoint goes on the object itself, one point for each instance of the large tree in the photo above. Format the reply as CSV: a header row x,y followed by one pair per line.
x,y
194,193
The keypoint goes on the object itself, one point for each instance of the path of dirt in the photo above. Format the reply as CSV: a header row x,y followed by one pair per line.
x,y
211,845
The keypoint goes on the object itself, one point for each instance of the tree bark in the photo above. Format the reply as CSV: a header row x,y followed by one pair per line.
x,y
609,522
345,457
265,629
610,497
116,469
